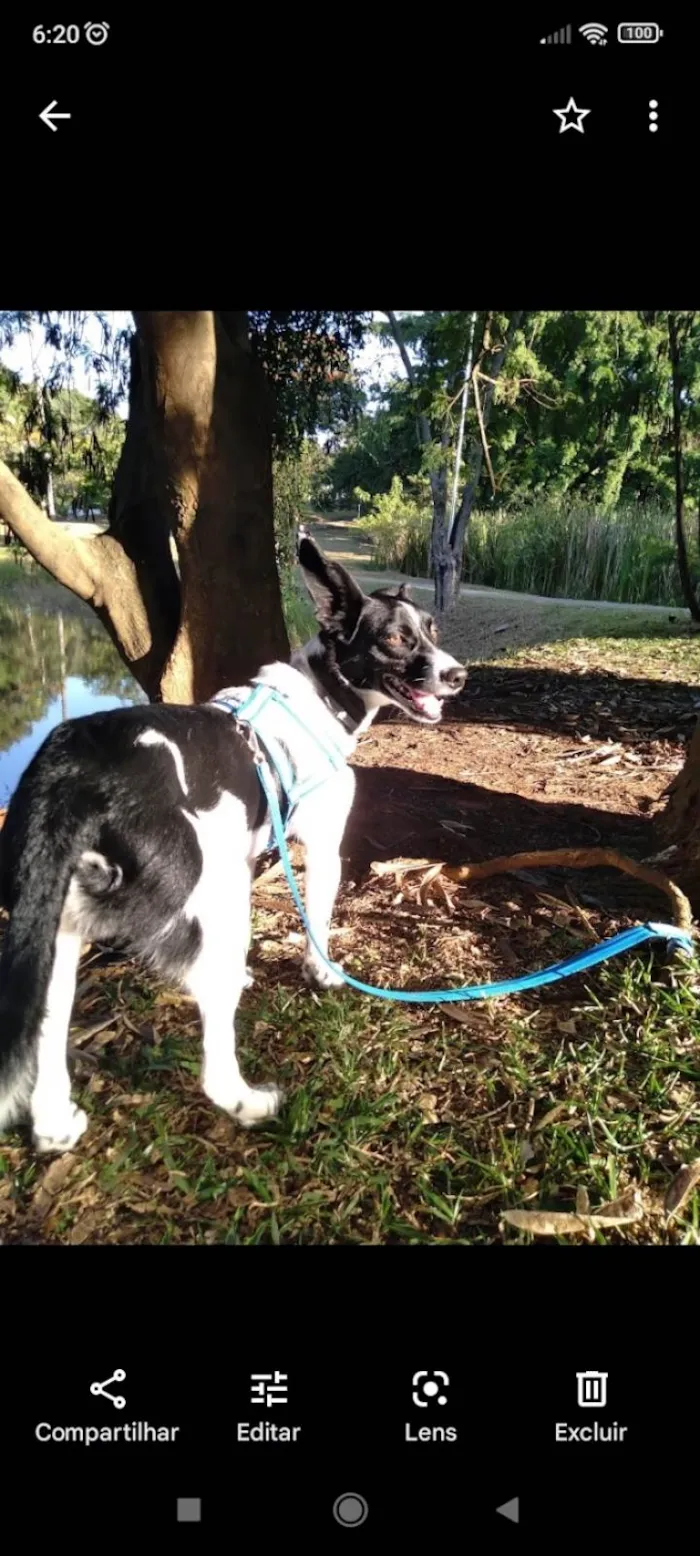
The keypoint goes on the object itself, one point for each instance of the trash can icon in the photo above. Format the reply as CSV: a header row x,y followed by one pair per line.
x,y
592,1389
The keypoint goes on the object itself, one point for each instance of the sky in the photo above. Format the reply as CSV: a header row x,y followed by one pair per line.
x,y
29,355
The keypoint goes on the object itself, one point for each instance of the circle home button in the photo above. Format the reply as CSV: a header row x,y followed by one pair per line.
x,y
350,1510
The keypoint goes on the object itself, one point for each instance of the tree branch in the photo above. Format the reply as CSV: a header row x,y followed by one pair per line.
x,y
424,433
482,429
65,556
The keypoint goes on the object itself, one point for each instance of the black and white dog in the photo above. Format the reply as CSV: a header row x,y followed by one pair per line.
x,y
142,827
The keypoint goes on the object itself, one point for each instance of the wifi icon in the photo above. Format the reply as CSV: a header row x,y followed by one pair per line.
x,y
594,32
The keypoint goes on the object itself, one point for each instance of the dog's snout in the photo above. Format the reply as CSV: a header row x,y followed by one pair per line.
x,y
454,677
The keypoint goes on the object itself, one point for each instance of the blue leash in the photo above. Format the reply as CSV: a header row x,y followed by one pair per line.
x,y
566,969
247,712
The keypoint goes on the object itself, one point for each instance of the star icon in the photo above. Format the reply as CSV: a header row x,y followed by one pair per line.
x,y
571,117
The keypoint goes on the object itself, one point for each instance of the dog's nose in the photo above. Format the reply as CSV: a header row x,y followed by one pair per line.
x,y
455,677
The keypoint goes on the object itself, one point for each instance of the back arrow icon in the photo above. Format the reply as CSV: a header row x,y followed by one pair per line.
x,y
48,115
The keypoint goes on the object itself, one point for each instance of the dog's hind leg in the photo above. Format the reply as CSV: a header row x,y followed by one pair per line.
x,y
56,1123
216,978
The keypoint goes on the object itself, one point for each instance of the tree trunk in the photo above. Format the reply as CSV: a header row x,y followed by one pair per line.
x,y
679,824
440,559
687,585
196,470
458,534
214,437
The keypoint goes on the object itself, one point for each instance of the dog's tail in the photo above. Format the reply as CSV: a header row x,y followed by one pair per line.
x,y
39,850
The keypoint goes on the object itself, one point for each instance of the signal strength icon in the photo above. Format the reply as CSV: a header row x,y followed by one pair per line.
x,y
562,36
594,32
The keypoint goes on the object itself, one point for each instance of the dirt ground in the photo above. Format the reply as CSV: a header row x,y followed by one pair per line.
x,y
534,754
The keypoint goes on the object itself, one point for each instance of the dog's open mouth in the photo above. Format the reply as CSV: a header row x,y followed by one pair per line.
x,y
424,705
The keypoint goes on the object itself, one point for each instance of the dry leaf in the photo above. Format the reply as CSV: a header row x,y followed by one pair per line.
x,y
427,1105
620,1212
461,1013
51,1184
92,1222
548,1223
561,1223
83,1036
682,1186
551,1117
398,866
583,1203
567,1026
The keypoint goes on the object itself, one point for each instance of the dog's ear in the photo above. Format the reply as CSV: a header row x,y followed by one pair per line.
x,y
395,592
338,600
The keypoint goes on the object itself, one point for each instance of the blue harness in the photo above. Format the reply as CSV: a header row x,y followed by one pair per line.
x,y
259,713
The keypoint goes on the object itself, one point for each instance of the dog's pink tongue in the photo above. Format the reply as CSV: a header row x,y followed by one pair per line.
x,y
427,703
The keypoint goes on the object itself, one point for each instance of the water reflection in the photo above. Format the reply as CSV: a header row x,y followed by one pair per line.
x,y
55,664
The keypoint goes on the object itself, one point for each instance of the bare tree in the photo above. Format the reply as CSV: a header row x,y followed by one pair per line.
x,y
449,531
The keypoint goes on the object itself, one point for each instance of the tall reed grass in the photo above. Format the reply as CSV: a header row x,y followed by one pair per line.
x,y
578,551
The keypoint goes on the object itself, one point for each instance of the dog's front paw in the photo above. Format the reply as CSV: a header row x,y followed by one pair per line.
x,y
318,976
61,1134
258,1104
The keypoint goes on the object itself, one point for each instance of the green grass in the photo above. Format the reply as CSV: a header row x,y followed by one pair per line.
x,y
299,618
398,1126
24,582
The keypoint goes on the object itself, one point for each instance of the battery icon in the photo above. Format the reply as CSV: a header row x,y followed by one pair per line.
x,y
639,32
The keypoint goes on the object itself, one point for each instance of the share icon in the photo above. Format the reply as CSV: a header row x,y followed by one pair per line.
x,y
118,1400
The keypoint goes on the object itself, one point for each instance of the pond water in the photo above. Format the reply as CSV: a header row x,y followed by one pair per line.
x,y
56,662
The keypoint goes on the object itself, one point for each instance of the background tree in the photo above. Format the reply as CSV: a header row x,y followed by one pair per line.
x,y
685,382
445,343
63,446
185,577
582,409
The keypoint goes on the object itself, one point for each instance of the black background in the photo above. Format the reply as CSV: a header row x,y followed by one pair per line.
x,y
355,99
275,162
349,1328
